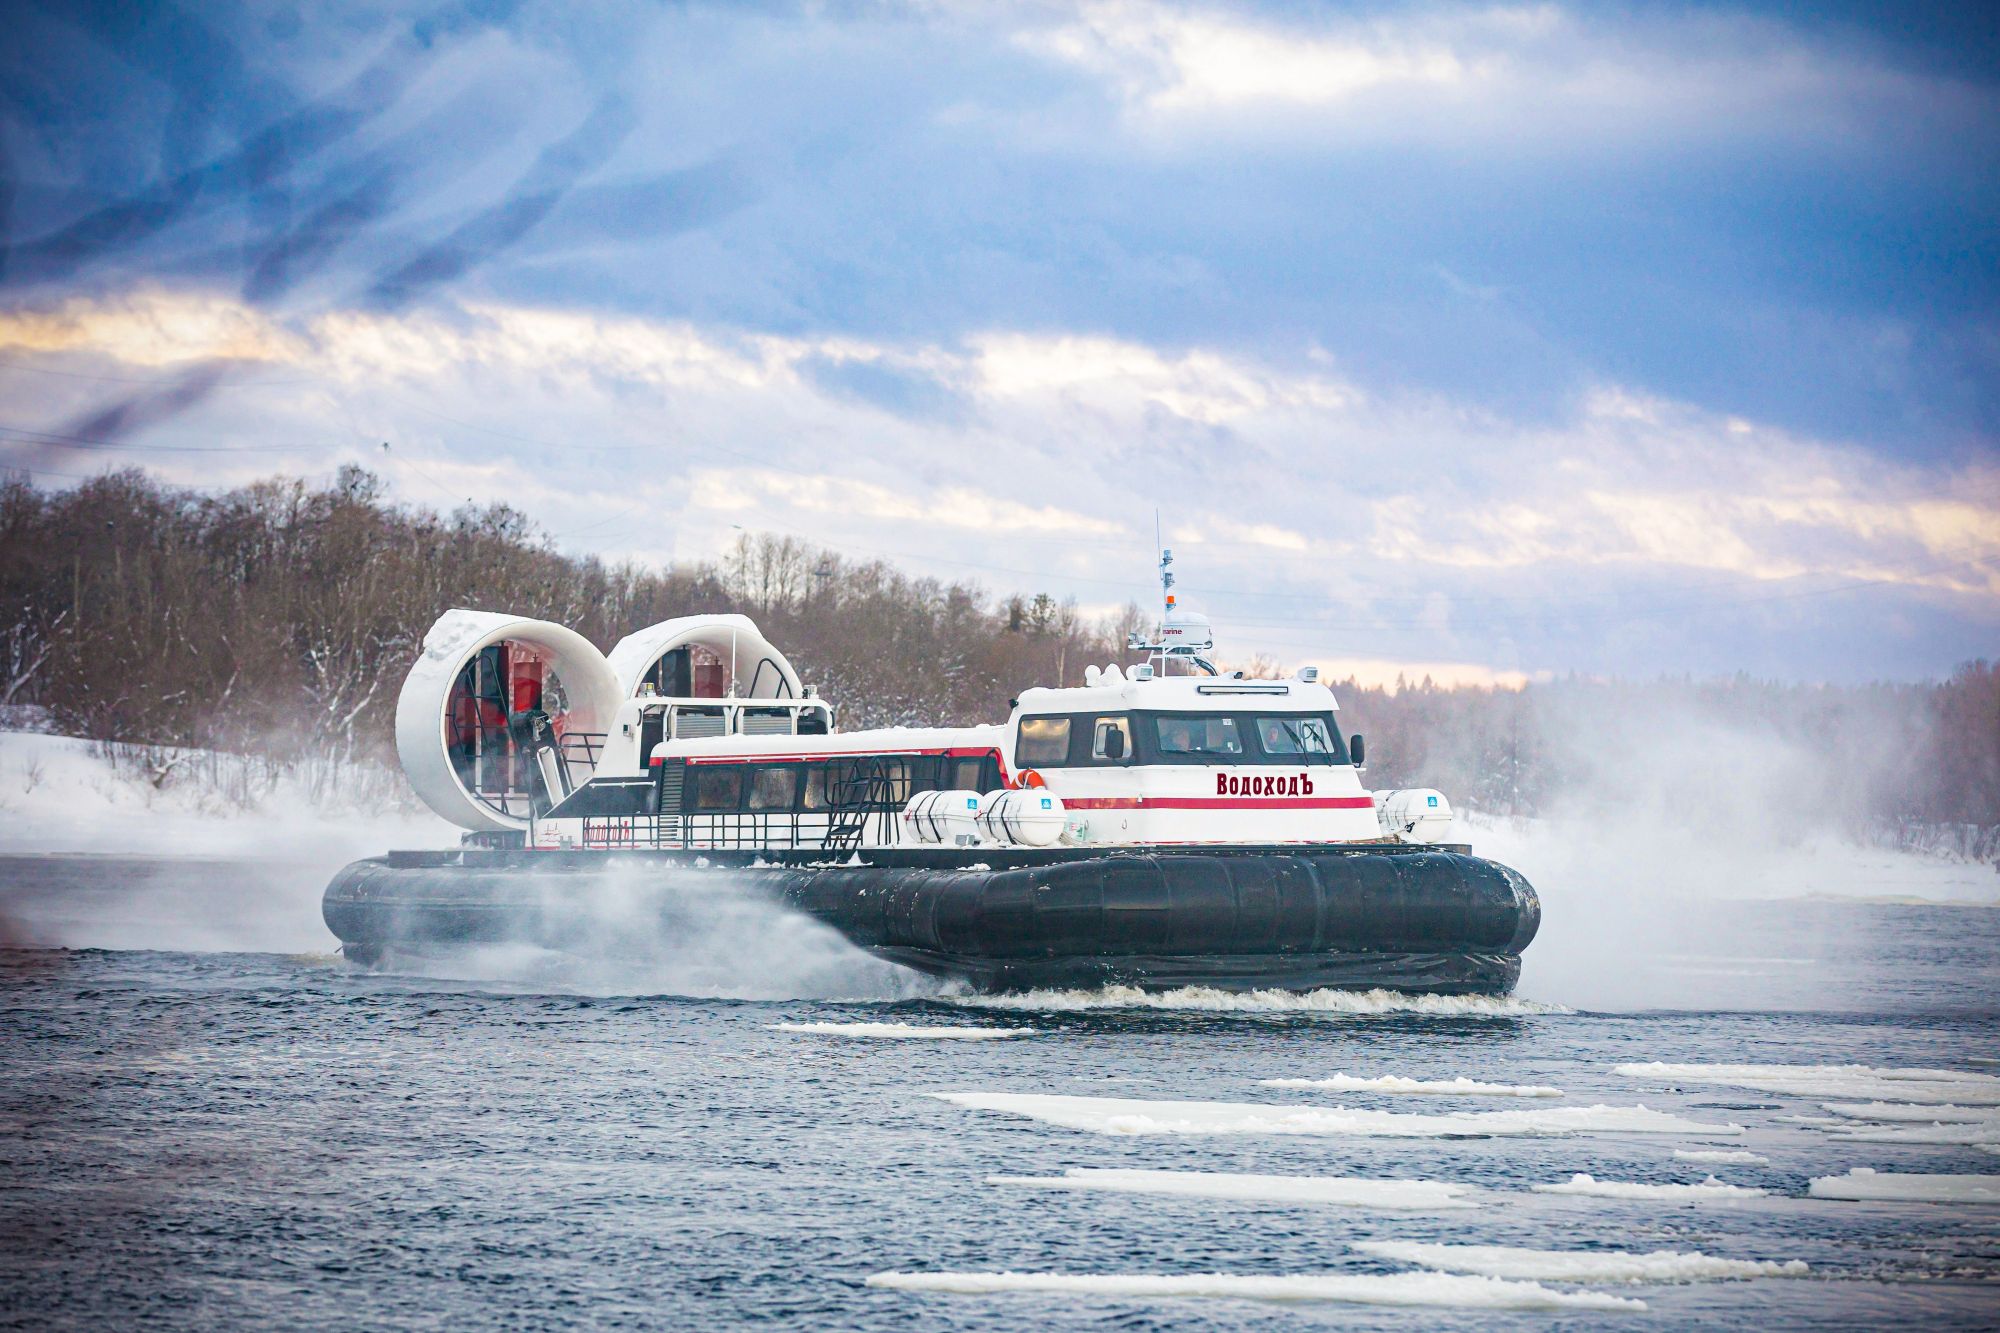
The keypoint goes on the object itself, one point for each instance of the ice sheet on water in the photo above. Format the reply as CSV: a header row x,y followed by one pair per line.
x,y
1396,1083
1709,1189
1119,1115
1208,998
1898,1113
1435,1290
1506,1261
1845,1081
902,1031
1864,1185
1346,1191
1956,1135
1721,1155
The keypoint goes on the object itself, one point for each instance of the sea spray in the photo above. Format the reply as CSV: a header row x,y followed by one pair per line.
x,y
633,930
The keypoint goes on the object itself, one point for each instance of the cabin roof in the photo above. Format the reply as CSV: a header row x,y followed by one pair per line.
x,y
884,740
1220,694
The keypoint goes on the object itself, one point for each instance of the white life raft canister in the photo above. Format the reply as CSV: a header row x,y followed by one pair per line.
x,y
1029,817
949,817
1417,814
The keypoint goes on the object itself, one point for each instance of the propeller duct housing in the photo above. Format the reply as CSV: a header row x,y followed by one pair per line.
x,y
452,714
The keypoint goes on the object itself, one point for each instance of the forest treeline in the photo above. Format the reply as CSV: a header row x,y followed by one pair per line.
x,y
279,619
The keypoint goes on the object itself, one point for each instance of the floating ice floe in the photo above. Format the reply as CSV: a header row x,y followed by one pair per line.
x,y
1505,1261
1847,1081
893,1031
1709,1189
1396,1083
1922,1115
1118,1115
1964,1136
1864,1185
1722,1155
1435,1290
1270,1001
1346,1191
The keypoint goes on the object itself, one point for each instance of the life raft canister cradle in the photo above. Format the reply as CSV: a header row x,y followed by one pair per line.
x,y
1148,828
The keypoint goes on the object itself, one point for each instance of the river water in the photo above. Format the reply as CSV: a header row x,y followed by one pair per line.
x,y
225,1139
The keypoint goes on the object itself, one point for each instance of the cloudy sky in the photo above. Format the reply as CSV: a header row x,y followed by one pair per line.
x,y
1488,341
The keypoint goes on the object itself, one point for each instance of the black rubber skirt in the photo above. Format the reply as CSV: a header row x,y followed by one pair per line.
x,y
1238,919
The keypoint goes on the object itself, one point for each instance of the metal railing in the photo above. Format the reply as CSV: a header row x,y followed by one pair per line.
x,y
728,832
579,752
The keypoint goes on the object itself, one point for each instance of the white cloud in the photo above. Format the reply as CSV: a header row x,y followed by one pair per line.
x,y
1517,75
1316,519
1170,58
151,327
1112,375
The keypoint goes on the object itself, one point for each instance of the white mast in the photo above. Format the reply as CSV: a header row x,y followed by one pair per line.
x,y
1183,635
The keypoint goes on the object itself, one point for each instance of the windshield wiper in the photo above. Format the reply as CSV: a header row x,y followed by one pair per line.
x,y
1297,732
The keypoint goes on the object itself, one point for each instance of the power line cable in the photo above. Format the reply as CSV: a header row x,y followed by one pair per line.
x,y
13,363
58,440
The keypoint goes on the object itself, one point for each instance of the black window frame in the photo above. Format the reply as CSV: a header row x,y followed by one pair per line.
x,y
1299,760
1148,737
699,774
985,775
1090,757
1145,740
758,772
1021,762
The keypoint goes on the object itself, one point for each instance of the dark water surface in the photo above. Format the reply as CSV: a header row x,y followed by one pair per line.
x,y
222,1140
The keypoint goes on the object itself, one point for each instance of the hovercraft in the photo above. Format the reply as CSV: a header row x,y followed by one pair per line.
x,y
1163,825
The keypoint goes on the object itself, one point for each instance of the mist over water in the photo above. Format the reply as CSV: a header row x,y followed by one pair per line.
x,y
1676,870
633,935
627,936
1682,868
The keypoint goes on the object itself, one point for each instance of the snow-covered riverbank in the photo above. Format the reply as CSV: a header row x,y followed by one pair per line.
x,y
61,795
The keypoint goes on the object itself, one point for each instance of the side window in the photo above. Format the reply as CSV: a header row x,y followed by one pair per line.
x,y
1199,739
716,787
773,787
1111,740
897,771
815,794
930,772
1044,742
966,774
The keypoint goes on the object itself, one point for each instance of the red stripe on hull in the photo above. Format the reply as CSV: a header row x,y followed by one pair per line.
x,y
1219,803
954,752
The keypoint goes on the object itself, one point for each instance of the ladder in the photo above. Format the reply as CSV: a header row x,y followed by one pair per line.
x,y
861,792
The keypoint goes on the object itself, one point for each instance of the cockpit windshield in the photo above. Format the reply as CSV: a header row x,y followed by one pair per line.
x,y
1304,736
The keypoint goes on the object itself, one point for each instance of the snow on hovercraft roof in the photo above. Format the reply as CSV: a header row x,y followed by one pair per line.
x,y
1222,694
885,740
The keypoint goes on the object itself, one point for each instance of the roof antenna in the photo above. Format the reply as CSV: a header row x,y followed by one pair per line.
x,y
1185,637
